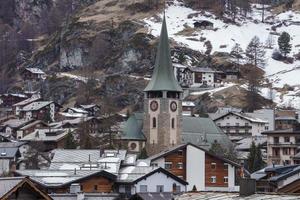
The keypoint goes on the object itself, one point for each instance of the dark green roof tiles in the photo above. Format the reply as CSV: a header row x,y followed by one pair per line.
x,y
163,78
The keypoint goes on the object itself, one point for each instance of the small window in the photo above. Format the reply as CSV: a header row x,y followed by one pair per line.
x,y
95,187
168,165
237,124
178,188
276,140
173,123
154,165
180,165
143,188
227,124
246,124
286,139
225,166
213,179
225,179
213,165
159,188
218,124
153,122
180,152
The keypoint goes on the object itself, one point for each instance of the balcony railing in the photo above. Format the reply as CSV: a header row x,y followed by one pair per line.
x,y
235,127
291,144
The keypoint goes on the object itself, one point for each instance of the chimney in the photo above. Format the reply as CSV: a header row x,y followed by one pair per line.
x,y
75,188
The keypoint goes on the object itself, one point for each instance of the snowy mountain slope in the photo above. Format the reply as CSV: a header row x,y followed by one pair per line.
x,y
225,36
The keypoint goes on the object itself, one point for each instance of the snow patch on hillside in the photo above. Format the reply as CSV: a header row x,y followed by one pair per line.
x,y
225,36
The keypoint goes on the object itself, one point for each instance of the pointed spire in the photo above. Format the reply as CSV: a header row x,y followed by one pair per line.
x,y
163,78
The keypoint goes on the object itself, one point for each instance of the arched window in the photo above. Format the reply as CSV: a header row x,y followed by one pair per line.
x,y
173,123
153,122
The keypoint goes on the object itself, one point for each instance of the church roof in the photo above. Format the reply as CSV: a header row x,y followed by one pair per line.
x,y
133,128
196,130
163,78
203,132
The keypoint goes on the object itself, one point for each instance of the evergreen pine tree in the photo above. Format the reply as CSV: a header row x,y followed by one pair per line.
x,y
70,142
87,143
236,53
270,41
259,163
255,161
251,157
284,43
255,53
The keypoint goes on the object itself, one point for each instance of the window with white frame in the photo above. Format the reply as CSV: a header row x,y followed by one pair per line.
x,y
168,165
213,179
179,165
225,179
143,188
225,166
159,188
213,165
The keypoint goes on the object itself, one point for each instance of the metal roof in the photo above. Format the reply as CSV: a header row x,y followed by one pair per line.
x,y
202,131
233,196
133,129
8,152
8,183
163,78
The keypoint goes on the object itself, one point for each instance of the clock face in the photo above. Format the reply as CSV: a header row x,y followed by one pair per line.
x,y
154,105
173,106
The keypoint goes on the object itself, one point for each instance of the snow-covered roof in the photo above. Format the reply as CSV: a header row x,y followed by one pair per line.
x,y
46,135
36,105
244,116
28,101
203,69
73,115
16,123
78,110
188,103
15,95
35,70
245,143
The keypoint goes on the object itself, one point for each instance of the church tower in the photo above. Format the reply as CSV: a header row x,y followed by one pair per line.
x,y
162,104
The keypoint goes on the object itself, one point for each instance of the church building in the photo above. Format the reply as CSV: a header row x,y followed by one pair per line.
x,y
162,124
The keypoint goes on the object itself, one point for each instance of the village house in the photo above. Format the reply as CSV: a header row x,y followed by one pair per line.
x,y
286,119
197,76
29,128
282,146
20,188
48,139
106,172
240,125
33,74
10,152
278,178
19,106
71,113
188,108
9,99
40,110
10,127
203,170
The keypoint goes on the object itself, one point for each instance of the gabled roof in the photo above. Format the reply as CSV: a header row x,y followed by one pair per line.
x,y
183,146
163,78
61,178
162,170
16,123
9,185
134,174
36,105
10,152
43,135
35,70
242,115
202,131
28,101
